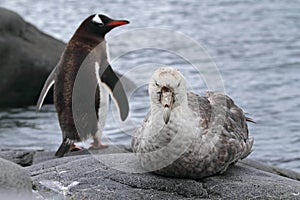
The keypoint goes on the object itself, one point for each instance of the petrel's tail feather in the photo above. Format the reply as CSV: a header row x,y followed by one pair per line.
x,y
64,148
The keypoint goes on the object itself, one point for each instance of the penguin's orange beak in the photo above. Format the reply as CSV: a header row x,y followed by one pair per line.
x,y
117,23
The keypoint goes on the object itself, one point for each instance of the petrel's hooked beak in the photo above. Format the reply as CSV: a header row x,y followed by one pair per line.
x,y
167,99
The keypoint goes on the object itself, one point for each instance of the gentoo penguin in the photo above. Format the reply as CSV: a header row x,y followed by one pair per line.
x,y
187,135
85,56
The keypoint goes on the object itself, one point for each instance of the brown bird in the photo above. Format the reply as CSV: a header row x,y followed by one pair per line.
x,y
186,135
81,79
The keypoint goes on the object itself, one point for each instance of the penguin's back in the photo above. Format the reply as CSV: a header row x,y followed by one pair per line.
x,y
75,91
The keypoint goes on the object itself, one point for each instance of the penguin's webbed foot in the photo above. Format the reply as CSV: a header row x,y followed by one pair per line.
x,y
75,148
97,144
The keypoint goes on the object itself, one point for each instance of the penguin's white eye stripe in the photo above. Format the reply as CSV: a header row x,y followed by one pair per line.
x,y
97,19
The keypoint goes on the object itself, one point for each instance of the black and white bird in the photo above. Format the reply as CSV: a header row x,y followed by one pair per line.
x,y
187,135
83,79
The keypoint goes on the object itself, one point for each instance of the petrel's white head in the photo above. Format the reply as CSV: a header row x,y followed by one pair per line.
x,y
167,90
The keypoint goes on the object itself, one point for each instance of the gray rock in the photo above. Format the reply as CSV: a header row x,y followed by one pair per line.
x,y
119,176
23,157
27,57
15,183
275,170
41,156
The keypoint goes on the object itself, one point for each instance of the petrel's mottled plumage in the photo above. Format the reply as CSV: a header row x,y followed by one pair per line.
x,y
202,137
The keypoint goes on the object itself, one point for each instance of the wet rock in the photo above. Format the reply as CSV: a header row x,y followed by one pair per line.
x,y
41,156
119,176
275,170
15,183
115,173
27,57
23,157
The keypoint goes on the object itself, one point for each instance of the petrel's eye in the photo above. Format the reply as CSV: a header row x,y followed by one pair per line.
x,y
97,20
178,84
156,84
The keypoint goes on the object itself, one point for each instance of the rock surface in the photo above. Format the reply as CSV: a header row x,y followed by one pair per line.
x,y
27,57
23,157
115,173
15,182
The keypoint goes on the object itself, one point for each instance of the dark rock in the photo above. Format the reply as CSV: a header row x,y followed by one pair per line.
x,y
15,183
119,176
275,170
41,156
23,157
27,57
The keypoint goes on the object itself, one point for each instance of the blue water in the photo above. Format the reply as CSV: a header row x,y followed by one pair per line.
x,y
254,44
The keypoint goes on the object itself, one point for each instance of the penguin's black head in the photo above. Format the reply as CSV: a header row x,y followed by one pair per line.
x,y
99,24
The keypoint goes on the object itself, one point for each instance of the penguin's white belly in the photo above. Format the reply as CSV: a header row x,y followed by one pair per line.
x,y
103,103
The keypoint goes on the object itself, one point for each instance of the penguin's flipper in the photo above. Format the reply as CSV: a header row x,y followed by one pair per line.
x,y
48,84
116,89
